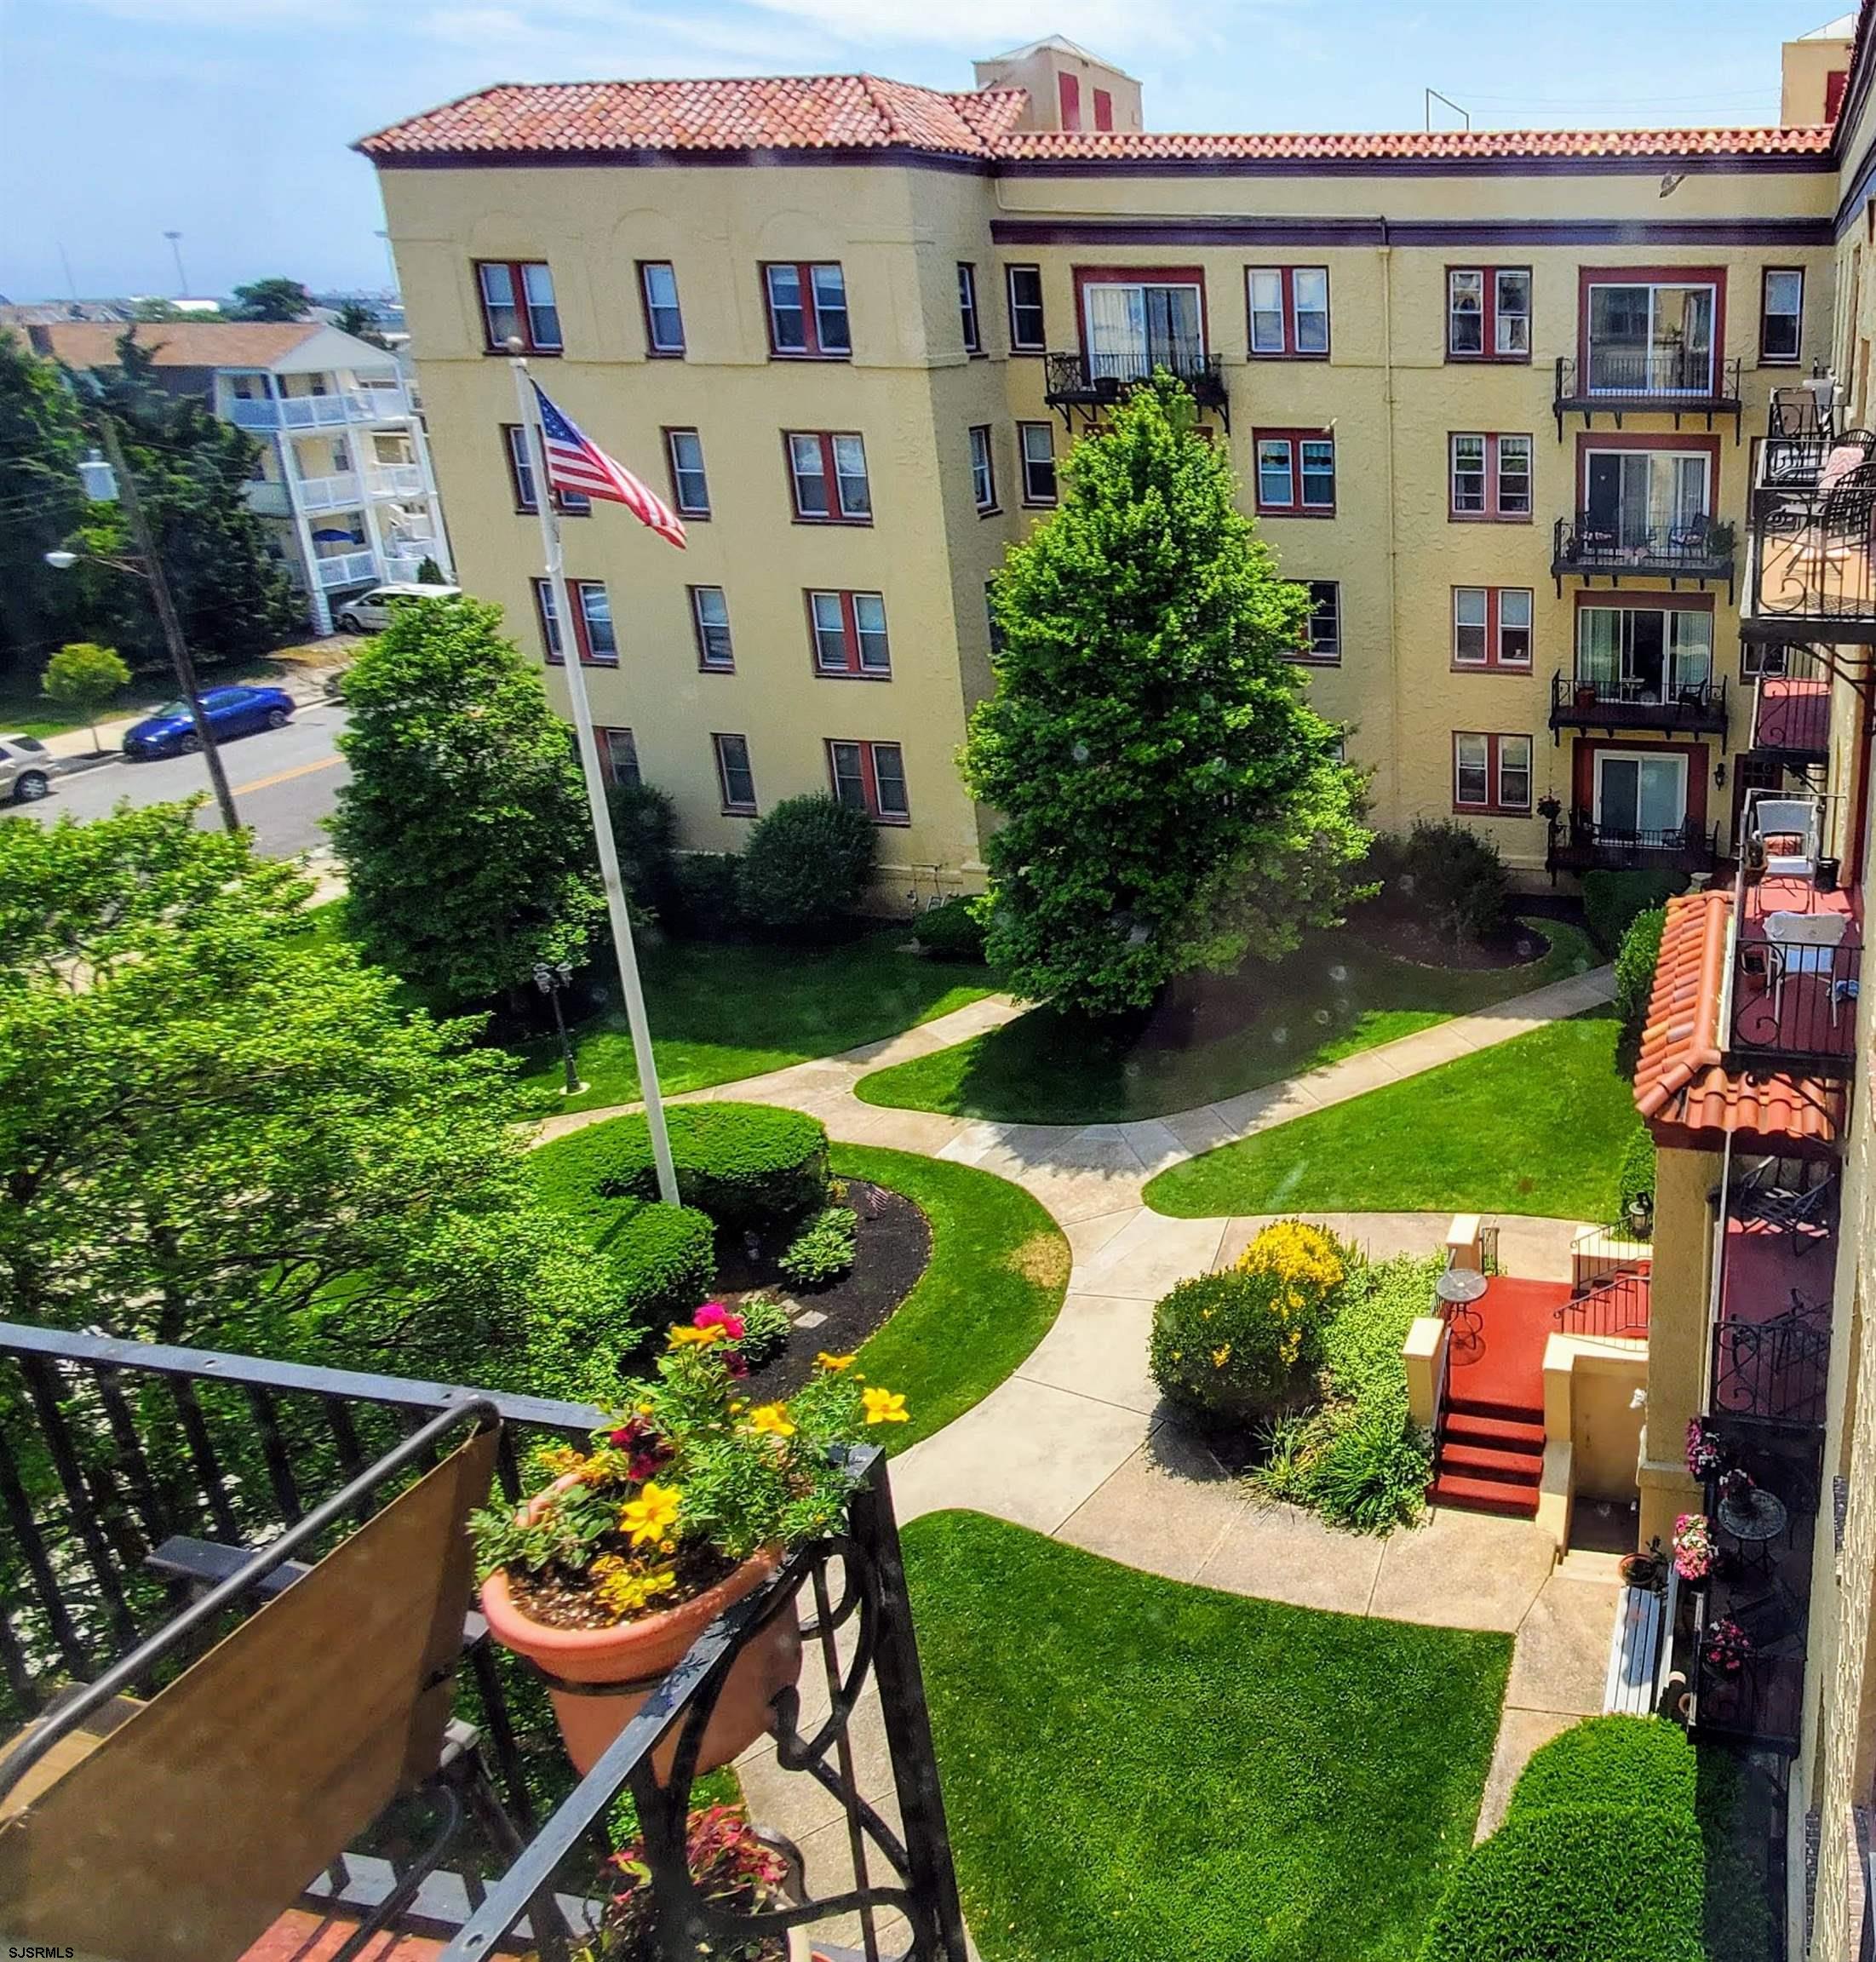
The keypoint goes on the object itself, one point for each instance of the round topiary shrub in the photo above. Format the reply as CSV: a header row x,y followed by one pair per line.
x,y
1237,1347
807,864
1611,1761
952,932
662,1261
748,1166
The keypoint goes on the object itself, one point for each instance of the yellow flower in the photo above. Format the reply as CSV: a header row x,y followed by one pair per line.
x,y
558,1459
629,1593
828,1362
885,1406
772,1419
651,1515
684,1336
1220,1356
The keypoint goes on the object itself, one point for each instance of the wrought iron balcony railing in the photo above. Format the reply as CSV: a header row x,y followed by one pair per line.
x,y
1811,576
1589,545
1649,381
130,1473
1617,1307
1582,845
1791,705
1605,703
1088,382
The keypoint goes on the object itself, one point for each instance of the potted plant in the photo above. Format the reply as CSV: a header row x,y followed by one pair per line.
x,y
732,1869
1705,1458
1728,1648
1735,1486
1693,1549
1643,1570
1586,697
685,1503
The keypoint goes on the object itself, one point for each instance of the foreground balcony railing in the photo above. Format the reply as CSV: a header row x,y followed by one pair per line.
x,y
1658,381
1810,572
1590,545
132,1476
1582,845
1791,705
1604,703
332,411
1092,381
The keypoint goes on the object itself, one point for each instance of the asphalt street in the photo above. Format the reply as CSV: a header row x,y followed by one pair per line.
x,y
284,780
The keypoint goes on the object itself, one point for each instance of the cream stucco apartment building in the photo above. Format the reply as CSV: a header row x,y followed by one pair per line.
x,y
1489,394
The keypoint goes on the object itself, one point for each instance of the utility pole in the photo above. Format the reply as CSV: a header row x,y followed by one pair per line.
x,y
182,278
166,612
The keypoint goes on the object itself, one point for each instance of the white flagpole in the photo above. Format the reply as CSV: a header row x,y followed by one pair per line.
x,y
617,910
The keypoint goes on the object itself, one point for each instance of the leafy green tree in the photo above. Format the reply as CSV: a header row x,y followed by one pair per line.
x,y
1169,801
275,299
155,308
464,829
192,470
84,676
42,441
220,1127
358,320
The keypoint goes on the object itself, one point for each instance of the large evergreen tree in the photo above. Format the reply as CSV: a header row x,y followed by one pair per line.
x,y
464,830
41,443
277,298
1169,801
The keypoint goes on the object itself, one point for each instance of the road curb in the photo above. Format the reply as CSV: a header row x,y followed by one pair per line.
x,y
76,766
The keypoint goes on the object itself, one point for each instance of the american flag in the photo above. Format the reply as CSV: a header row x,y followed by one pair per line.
x,y
575,463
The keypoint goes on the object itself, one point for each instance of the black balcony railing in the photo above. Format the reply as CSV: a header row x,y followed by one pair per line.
x,y
1582,845
1698,706
1590,546
1090,382
1812,558
1615,1307
1791,704
1663,380
114,1454
1794,1001
1774,1370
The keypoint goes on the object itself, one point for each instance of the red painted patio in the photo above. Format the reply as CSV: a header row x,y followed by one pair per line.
x,y
1491,1453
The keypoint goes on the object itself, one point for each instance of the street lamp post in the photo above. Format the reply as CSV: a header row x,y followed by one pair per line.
x,y
105,480
552,979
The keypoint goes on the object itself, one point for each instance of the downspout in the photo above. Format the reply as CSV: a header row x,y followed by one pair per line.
x,y
1386,251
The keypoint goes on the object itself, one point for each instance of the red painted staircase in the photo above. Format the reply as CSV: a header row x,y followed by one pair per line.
x,y
1490,1457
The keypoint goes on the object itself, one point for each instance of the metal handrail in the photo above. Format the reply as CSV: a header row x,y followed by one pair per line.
x,y
135,1667
1671,375
1587,542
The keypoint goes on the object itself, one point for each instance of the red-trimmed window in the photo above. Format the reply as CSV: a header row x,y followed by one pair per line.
x,y
1489,477
826,477
807,311
871,778
690,481
1104,109
710,621
517,296
1288,312
663,317
1295,472
618,755
1324,644
1492,774
968,321
982,469
848,630
1492,628
1487,313
514,447
1035,441
592,623
1022,286
1780,315
735,779
1069,94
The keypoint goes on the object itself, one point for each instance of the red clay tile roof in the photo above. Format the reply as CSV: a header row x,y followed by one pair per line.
x,y
867,111
1682,1087
768,112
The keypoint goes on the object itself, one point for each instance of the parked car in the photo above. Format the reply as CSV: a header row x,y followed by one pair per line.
x,y
370,613
231,711
25,769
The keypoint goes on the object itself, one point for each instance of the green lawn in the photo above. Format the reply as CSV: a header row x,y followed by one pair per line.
x,y
1338,994
1136,1770
719,1011
1536,1125
999,1270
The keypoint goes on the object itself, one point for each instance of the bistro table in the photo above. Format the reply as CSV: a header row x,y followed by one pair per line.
x,y
1457,1289
1754,1520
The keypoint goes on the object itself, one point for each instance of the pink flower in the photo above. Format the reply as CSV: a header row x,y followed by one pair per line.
x,y
714,1315
735,1362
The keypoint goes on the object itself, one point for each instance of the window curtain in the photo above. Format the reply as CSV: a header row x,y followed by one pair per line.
x,y
1116,330
1599,650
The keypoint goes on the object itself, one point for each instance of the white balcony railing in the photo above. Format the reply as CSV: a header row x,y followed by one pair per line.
x,y
348,568
267,497
394,479
334,493
388,405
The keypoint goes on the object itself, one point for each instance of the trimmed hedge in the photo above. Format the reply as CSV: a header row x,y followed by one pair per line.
x,y
748,1166
663,1260
1637,1172
951,931
1577,1883
1443,874
807,864
1612,901
1611,1761
1636,961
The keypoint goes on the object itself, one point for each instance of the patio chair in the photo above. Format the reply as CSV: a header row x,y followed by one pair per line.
x,y
1788,829
183,1827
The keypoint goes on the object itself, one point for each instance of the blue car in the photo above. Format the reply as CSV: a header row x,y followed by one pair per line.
x,y
231,711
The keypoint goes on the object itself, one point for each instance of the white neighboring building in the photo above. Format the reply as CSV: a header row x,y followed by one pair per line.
x,y
345,464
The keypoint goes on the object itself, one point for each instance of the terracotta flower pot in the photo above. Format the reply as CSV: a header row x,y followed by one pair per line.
x,y
633,1657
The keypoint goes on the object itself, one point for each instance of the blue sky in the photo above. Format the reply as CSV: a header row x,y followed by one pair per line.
x,y
229,119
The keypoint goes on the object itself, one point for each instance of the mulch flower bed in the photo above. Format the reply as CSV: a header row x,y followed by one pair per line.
x,y
892,1248
1515,946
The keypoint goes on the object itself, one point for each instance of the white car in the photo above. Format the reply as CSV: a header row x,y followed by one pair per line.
x,y
370,613
25,769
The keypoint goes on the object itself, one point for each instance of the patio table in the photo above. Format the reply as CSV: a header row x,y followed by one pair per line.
x,y
1754,1521
1459,1288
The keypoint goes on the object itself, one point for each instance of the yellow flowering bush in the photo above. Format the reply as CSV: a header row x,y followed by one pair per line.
x,y
1241,1346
